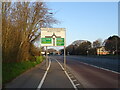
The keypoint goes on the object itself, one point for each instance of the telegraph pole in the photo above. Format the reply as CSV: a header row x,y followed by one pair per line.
x,y
116,47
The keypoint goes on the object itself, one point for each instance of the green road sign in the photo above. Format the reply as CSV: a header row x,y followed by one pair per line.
x,y
46,40
60,41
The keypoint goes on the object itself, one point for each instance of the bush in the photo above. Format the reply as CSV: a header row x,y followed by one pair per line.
x,y
13,69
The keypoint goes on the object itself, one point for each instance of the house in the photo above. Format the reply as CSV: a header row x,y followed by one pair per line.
x,y
101,51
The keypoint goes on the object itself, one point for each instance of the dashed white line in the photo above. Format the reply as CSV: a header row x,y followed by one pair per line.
x,y
71,81
77,84
71,77
41,83
74,80
68,72
68,76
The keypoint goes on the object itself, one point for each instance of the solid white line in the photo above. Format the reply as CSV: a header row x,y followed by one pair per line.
x,y
67,76
100,68
41,83
60,64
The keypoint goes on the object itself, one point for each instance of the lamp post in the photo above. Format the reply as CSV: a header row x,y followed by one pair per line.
x,y
116,46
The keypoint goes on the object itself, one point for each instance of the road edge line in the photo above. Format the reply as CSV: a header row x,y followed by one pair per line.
x,y
41,82
67,75
100,68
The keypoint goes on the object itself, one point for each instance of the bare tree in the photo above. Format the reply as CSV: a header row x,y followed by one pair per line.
x,y
21,24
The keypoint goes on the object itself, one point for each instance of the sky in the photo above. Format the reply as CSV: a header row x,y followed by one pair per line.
x,y
86,20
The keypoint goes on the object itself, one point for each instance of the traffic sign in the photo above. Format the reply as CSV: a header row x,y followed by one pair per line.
x,y
53,36
60,41
46,40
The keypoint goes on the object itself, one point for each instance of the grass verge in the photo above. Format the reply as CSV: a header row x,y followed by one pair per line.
x,y
14,69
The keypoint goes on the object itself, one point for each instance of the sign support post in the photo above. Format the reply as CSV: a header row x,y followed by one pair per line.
x,y
64,58
46,57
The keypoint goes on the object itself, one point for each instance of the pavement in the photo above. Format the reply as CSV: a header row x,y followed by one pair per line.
x,y
29,79
55,78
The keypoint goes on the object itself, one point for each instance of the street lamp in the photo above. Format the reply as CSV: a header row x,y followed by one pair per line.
x,y
116,46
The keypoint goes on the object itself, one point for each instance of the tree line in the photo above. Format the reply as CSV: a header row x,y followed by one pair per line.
x,y
21,22
112,45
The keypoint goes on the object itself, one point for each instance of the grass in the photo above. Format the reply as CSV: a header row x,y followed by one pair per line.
x,y
14,69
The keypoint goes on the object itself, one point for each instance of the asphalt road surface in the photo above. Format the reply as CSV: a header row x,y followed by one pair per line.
x,y
54,77
107,63
86,70
29,79
79,74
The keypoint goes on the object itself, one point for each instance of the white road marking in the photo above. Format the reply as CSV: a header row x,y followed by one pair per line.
x,y
100,68
67,76
70,74
74,80
71,81
77,84
71,77
41,83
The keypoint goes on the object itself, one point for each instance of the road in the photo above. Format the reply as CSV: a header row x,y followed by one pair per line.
x,y
77,75
107,63
39,78
85,71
